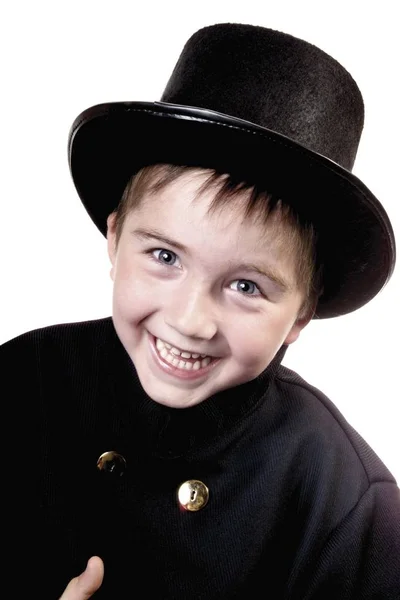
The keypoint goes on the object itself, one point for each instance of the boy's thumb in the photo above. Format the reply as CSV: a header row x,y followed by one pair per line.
x,y
87,583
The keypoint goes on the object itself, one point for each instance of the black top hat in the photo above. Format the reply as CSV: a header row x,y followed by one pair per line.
x,y
268,107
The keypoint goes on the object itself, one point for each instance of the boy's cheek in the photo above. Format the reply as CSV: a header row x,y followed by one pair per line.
x,y
133,297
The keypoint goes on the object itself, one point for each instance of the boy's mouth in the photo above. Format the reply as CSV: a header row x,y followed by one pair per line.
x,y
180,358
179,364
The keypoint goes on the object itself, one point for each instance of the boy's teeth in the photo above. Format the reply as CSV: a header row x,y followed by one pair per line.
x,y
175,356
163,352
181,352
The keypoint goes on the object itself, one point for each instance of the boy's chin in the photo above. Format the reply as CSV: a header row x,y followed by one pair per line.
x,y
172,396
175,400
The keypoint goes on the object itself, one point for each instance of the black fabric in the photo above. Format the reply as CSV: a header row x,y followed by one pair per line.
x,y
300,507
275,80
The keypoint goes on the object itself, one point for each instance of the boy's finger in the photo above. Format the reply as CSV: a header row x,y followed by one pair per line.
x,y
85,585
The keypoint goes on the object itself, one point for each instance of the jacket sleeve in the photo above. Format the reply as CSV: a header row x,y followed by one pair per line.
x,y
361,558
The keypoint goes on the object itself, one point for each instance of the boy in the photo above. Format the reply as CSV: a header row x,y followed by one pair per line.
x,y
174,448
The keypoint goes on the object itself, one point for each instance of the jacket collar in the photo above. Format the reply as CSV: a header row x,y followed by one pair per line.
x,y
170,432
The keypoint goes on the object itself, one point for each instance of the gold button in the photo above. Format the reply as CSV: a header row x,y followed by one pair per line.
x,y
112,462
193,495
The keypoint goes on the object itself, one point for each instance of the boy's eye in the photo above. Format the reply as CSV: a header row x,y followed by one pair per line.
x,y
247,287
166,257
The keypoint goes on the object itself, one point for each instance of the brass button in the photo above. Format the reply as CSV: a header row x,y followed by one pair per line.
x,y
193,495
112,462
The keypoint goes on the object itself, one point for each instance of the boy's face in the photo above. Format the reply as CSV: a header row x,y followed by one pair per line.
x,y
193,292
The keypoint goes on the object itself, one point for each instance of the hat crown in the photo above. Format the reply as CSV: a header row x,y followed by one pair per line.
x,y
274,80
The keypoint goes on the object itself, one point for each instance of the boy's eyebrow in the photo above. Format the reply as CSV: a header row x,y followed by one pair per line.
x,y
147,234
269,272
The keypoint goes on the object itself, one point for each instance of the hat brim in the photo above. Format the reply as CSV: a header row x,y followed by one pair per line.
x,y
108,143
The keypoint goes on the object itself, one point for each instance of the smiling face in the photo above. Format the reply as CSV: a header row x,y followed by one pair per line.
x,y
214,285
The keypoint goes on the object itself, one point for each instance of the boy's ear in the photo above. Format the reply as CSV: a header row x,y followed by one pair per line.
x,y
111,240
298,326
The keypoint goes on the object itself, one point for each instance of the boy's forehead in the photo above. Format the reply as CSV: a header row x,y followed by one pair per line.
x,y
177,216
186,199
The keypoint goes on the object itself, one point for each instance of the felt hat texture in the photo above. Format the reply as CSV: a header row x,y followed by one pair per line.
x,y
272,110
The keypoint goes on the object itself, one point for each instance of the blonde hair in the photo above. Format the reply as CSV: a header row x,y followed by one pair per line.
x,y
299,237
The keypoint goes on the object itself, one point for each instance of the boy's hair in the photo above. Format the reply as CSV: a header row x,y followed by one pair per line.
x,y
299,237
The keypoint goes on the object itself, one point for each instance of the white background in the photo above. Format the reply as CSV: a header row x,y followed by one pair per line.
x,y
58,58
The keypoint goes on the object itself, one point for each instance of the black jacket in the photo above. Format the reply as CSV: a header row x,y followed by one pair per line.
x,y
300,507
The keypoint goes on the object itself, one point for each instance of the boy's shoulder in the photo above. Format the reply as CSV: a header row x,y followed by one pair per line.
x,y
65,349
321,423
59,334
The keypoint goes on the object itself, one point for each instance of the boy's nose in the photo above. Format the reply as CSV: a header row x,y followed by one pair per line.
x,y
191,314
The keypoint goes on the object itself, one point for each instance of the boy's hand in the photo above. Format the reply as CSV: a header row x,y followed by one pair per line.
x,y
85,585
